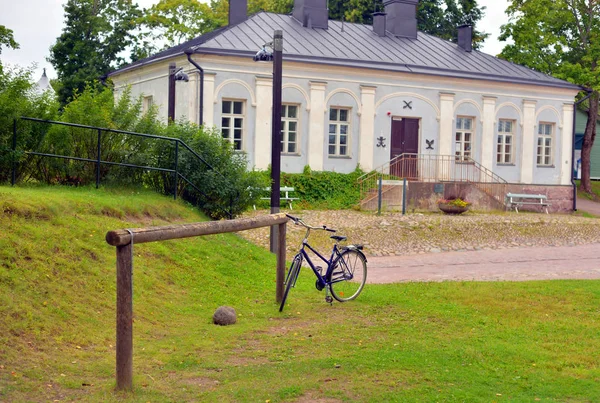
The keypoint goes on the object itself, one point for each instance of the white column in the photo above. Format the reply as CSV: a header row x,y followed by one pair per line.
x,y
262,129
367,127
316,127
528,152
565,154
488,145
208,115
446,123
193,88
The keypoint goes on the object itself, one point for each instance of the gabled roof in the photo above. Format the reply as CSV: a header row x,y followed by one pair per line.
x,y
356,45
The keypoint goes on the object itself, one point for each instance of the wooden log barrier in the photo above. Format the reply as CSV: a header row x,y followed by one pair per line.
x,y
122,239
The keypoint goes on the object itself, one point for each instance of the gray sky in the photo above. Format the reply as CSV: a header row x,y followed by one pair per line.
x,y
37,23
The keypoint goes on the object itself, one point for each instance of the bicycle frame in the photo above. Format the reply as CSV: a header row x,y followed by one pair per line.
x,y
325,278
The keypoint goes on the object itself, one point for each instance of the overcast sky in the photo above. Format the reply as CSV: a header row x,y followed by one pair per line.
x,y
37,23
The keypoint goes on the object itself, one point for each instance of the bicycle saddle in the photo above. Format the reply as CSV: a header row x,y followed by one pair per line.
x,y
338,238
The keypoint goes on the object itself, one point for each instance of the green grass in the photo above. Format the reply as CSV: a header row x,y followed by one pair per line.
x,y
595,190
442,342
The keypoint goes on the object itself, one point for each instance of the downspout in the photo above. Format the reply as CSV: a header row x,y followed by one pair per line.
x,y
575,104
189,52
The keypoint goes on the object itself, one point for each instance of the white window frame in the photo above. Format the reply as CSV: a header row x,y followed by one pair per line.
x,y
544,151
228,132
502,143
338,125
459,138
147,103
286,121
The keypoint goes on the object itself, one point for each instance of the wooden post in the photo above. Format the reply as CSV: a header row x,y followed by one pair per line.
x,y
124,317
280,262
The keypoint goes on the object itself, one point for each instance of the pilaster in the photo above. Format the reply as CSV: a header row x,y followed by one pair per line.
x,y
528,151
262,129
446,123
316,127
487,138
564,157
208,114
367,127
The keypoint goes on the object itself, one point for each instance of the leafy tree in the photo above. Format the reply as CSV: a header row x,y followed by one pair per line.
x,y
562,38
7,40
95,34
178,21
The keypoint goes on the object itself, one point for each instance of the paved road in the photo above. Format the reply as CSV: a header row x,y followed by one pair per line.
x,y
539,263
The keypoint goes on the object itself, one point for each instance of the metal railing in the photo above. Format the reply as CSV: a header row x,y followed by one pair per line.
x,y
432,168
100,137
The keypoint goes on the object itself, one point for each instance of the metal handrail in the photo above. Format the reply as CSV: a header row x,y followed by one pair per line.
x,y
98,161
434,168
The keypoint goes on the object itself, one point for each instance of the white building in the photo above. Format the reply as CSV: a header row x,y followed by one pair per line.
x,y
349,89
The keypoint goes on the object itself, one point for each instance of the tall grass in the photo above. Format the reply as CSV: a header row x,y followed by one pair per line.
x,y
451,342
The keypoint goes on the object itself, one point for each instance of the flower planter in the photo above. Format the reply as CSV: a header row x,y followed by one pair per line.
x,y
448,208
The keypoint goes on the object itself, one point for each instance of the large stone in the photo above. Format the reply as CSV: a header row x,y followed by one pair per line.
x,y
224,315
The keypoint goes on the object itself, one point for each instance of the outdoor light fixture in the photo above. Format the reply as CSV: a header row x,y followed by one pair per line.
x,y
264,55
180,75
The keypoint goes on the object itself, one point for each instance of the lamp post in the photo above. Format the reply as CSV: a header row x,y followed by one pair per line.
x,y
174,75
276,56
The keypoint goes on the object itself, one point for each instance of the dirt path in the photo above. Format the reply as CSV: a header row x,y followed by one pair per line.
x,y
519,264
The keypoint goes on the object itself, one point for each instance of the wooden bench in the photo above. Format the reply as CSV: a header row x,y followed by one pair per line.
x,y
519,199
284,195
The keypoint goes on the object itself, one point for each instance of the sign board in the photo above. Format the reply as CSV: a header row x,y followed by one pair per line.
x,y
438,188
391,183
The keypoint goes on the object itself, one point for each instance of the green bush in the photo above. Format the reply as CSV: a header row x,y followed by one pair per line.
x,y
323,189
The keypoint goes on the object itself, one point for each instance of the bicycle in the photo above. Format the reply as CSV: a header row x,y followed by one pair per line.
x,y
346,271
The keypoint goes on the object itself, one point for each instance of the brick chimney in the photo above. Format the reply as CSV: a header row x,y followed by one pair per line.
x,y
379,23
465,37
311,13
401,19
238,11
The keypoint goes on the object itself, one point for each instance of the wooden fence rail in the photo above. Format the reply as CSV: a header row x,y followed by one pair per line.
x,y
125,238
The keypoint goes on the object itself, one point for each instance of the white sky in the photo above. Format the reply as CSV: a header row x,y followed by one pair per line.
x,y
37,23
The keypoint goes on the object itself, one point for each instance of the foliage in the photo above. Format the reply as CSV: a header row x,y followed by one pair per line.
x,y
96,33
220,173
411,342
178,21
7,39
323,189
560,37
18,98
458,202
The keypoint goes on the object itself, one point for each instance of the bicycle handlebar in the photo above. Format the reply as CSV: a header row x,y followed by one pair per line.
x,y
298,221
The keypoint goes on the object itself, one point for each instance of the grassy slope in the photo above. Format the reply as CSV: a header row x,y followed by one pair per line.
x,y
406,342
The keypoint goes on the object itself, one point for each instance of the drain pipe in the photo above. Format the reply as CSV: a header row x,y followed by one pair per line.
x,y
575,104
189,52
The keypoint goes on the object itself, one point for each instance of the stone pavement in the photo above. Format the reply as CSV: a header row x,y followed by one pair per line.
x,y
538,263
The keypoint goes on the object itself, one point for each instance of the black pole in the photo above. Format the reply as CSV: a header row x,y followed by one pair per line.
x,y
379,194
201,70
171,107
14,153
575,104
98,160
176,166
276,133
403,196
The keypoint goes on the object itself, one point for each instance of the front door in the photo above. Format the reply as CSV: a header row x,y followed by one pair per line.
x,y
404,140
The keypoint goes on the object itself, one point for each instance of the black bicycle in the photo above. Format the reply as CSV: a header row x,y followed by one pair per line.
x,y
346,271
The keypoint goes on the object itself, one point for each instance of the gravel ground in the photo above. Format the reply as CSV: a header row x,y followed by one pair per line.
x,y
393,234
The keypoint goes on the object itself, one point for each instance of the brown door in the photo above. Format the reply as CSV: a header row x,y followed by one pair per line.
x,y
405,140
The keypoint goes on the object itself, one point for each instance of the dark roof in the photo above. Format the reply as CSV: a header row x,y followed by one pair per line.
x,y
356,45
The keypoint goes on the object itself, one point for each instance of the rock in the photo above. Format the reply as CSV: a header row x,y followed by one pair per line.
x,y
224,315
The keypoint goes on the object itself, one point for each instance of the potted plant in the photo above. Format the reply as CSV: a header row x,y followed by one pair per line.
x,y
454,205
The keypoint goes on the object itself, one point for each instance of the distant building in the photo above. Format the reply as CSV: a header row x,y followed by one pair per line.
x,y
43,84
360,94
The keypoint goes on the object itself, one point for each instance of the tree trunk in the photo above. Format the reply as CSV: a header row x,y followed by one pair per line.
x,y
588,142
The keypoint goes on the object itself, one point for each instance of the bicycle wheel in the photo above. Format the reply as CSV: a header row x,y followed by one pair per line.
x,y
290,280
348,276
